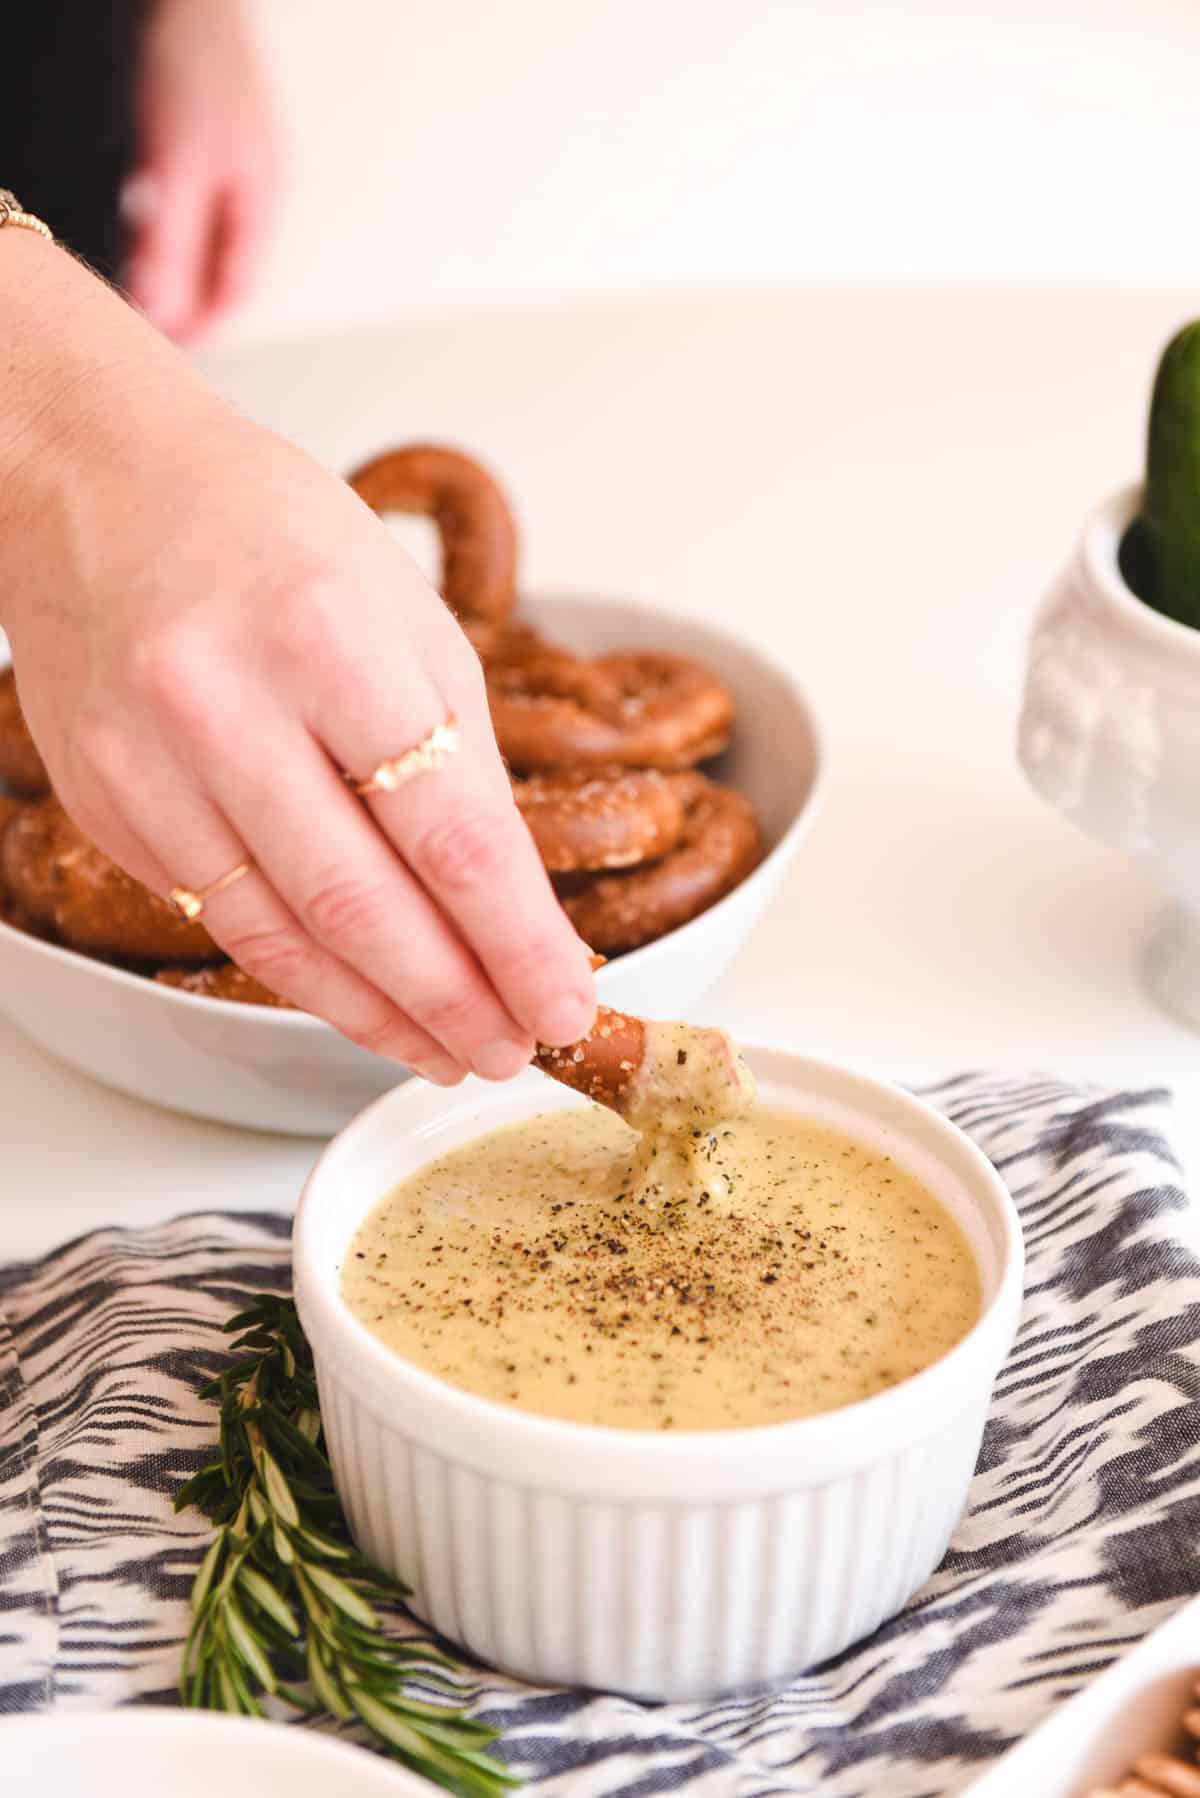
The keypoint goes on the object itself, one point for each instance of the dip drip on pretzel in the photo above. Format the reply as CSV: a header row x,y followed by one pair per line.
x,y
61,882
632,709
720,844
667,1079
224,981
21,767
615,819
473,521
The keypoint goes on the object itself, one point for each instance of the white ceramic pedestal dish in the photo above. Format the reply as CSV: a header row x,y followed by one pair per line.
x,y
279,1070
663,1565
1110,735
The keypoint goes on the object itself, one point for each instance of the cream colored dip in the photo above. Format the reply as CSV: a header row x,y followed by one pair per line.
x,y
690,1078
804,1272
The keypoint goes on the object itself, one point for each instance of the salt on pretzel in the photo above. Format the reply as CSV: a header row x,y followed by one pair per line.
x,y
720,844
22,769
61,882
225,980
474,524
654,1074
631,709
583,821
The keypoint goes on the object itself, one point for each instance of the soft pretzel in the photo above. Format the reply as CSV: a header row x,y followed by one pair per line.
x,y
21,767
473,520
62,882
631,709
720,844
10,913
223,981
615,819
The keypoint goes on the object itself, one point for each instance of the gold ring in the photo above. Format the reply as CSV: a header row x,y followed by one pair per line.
x,y
423,758
189,902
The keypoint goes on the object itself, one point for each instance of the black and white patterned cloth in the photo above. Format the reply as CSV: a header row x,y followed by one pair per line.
x,y
1083,1530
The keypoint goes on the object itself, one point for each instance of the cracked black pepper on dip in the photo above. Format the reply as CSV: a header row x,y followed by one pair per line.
x,y
766,1269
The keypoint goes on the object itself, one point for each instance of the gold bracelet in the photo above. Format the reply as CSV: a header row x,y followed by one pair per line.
x,y
13,213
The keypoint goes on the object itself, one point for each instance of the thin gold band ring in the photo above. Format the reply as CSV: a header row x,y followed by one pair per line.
x,y
189,902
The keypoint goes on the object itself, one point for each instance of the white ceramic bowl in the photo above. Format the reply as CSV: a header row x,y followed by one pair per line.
x,y
663,1565
279,1070
142,1751
1135,1707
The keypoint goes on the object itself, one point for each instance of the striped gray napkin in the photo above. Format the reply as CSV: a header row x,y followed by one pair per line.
x,y
1080,1536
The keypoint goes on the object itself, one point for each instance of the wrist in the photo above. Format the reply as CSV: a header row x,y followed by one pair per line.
x,y
93,402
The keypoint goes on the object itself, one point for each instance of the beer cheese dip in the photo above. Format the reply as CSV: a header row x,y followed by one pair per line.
x,y
765,1269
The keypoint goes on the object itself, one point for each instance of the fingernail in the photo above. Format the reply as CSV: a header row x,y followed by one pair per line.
x,y
501,1059
566,1019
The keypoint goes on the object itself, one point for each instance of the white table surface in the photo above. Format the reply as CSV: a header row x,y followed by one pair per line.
x,y
876,485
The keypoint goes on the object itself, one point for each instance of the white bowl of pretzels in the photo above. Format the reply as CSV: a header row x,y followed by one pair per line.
x,y
667,800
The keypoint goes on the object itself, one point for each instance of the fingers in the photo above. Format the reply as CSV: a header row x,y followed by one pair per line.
x,y
167,273
352,894
167,834
238,247
459,831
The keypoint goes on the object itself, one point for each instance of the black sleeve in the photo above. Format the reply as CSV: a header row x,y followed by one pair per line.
x,y
66,117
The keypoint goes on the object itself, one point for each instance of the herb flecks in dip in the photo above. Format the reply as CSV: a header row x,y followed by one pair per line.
x,y
790,1270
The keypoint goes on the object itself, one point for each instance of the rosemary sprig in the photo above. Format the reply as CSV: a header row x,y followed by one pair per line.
x,y
283,1603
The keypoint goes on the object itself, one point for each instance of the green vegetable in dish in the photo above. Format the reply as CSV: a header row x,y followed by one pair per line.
x,y
284,1605
1160,557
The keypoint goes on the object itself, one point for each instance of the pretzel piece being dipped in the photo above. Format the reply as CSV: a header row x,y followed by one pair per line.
x,y
62,882
632,709
21,767
664,1078
474,524
583,821
720,844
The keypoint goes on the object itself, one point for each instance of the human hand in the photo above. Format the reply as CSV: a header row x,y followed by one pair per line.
x,y
208,181
208,629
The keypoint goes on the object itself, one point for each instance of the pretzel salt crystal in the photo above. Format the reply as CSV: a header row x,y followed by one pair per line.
x,y
225,980
719,845
632,709
583,822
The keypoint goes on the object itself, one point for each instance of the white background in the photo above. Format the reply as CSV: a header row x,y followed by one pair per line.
x,y
473,151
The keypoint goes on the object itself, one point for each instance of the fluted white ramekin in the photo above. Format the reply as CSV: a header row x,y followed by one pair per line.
x,y
665,1565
